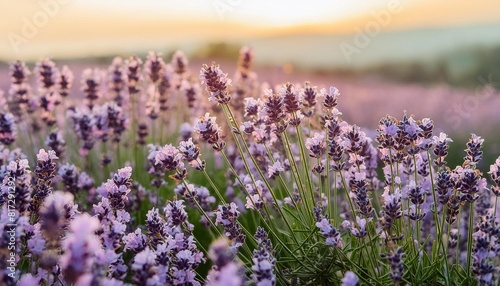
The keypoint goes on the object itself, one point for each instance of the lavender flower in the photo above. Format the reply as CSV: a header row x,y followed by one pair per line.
x,y
216,83
359,187
190,152
292,103
441,148
245,62
85,128
135,241
142,133
474,153
117,80
275,169
326,229
483,267
133,74
91,81
65,81
19,76
309,99
169,158
396,262
154,67
495,176
117,189
274,107
44,172
263,260
391,208
47,75
316,145
55,213
330,100
69,177
144,267
226,271
18,176
444,186
179,62
227,216
209,131
155,225
56,142
7,128
350,279
191,91
80,245
468,183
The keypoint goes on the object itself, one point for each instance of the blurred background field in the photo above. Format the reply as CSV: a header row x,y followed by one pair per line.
x,y
438,59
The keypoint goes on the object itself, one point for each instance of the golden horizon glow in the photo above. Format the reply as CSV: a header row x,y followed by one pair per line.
x,y
93,27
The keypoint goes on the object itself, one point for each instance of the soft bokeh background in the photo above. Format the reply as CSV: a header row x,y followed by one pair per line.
x,y
438,59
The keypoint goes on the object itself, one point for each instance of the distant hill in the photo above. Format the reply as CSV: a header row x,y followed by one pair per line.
x,y
324,51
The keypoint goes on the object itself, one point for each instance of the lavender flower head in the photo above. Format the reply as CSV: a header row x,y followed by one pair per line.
x,y
495,176
179,62
330,99
7,128
326,229
209,131
216,83
263,260
154,67
90,82
80,245
65,81
227,216
169,158
226,271
144,267
350,279
47,75
19,89
474,153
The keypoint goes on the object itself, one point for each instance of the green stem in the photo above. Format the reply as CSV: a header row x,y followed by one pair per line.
x,y
470,241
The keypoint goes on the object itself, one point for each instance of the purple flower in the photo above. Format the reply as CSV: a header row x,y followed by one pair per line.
x,y
350,279
154,66
209,131
168,158
474,153
396,262
135,241
316,145
55,141
216,83
91,81
226,271
189,150
80,245
275,169
263,260
227,216
144,268
330,98
7,128
65,81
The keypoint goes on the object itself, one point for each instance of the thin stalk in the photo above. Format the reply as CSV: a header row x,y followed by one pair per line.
x,y
295,170
304,159
469,241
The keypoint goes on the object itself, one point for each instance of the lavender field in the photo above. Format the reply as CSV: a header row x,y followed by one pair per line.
x,y
161,171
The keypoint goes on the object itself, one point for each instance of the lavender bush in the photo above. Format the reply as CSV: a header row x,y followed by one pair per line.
x,y
152,175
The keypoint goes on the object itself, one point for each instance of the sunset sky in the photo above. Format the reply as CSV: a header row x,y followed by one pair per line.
x,y
78,28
